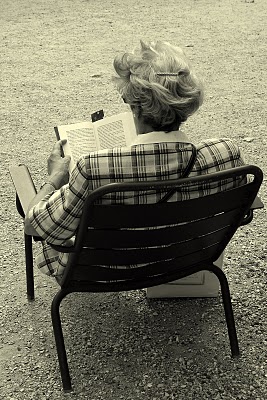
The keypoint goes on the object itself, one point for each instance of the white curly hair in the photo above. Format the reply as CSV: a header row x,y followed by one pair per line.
x,y
157,80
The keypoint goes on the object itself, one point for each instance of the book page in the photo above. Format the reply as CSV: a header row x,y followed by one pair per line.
x,y
115,131
111,135
81,140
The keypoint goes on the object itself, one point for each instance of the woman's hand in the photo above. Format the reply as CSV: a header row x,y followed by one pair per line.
x,y
57,166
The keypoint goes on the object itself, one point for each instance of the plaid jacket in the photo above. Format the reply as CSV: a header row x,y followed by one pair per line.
x,y
154,156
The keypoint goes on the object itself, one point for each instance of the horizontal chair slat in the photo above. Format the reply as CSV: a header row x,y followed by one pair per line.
x,y
144,255
110,238
98,273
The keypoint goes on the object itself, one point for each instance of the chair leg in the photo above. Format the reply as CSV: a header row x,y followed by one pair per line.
x,y
29,267
228,309
61,351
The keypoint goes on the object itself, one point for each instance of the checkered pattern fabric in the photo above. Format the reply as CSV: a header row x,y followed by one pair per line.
x,y
56,217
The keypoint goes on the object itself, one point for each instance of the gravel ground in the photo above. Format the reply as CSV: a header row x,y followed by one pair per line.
x,y
56,65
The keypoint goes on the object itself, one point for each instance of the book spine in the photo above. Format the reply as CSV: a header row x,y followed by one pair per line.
x,y
58,138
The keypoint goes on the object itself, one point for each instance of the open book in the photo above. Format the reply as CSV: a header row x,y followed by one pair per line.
x,y
85,137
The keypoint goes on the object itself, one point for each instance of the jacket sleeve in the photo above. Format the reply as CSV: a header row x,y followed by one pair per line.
x,y
56,217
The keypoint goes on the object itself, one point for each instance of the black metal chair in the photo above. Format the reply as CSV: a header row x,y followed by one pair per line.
x,y
193,234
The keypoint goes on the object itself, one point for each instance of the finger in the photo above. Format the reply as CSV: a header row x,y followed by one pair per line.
x,y
67,158
58,146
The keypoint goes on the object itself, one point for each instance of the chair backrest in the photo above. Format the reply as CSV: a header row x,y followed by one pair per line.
x,y
164,238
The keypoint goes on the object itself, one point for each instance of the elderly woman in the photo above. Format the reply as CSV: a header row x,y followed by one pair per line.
x,y
162,91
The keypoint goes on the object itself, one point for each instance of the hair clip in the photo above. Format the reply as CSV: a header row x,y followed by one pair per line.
x,y
167,73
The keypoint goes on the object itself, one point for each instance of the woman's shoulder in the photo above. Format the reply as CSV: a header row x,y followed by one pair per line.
x,y
222,145
216,142
218,151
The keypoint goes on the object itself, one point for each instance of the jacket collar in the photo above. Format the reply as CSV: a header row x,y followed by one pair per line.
x,y
161,137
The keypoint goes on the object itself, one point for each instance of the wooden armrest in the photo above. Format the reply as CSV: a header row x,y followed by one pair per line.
x,y
19,207
257,203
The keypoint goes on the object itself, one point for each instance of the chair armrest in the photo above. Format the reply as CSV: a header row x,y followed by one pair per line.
x,y
257,203
63,249
37,239
19,207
